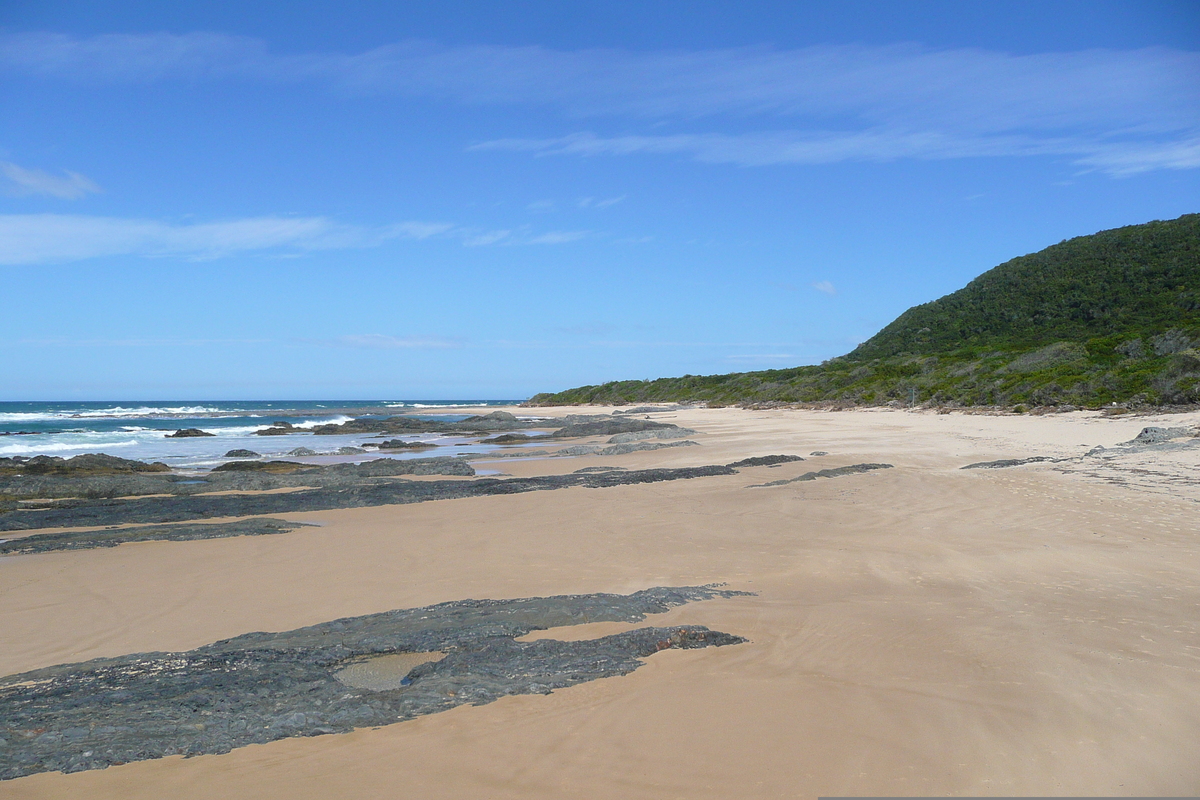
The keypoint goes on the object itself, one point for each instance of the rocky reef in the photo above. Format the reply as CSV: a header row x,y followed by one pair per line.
x,y
344,489
262,687
81,465
136,481
400,444
111,537
836,472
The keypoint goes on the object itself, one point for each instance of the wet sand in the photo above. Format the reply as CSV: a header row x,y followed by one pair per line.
x,y
917,630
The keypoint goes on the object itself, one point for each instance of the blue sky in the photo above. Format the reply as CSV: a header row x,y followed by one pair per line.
x,y
485,200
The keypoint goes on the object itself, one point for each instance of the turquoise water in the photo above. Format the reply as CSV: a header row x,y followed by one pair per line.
x,y
139,429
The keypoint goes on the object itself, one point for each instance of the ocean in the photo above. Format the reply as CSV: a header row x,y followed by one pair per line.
x,y
140,430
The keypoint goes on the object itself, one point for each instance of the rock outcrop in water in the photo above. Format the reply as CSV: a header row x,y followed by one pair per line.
x,y
223,479
274,467
262,687
188,433
495,421
511,438
81,465
400,444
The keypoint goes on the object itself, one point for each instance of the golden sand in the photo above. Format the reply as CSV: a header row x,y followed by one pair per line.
x,y
918,630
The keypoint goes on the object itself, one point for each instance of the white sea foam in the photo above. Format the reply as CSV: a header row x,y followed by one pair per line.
x,y
56,447
114,412
312,423
28,417
445,405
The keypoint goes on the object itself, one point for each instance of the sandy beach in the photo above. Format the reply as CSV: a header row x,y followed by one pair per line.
x,y
922,629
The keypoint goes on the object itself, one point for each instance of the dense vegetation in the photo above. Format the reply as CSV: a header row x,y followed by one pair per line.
x,y
1108,318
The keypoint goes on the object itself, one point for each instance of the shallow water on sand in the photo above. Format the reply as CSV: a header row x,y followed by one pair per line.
x,y
385,672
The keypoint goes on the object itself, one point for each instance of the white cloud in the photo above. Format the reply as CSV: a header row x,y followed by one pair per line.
x,y
1121,111
490,237
557,237
826,147
591,202
824,286
377,341
967,85
520,236
415,230
22,181
48,238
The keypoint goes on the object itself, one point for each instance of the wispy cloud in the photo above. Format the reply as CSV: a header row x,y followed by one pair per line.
x,y
591,202
827,147
519,236
486,238
415,230
23,181
377,341
1122,111
48,238
825,287
558,237
56,238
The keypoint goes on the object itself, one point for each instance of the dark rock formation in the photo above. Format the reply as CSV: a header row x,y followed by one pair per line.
x,y
650,409
1156,435
765,461
279,467
496,421
279,428
262,687
608,426
81,465
234,479
502,417
186,532
400,444
618,449
1009,462
836,472
510,438
187,433
350,492
655,433
242,454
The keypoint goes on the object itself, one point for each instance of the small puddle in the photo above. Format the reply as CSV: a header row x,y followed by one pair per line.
x,y
382,673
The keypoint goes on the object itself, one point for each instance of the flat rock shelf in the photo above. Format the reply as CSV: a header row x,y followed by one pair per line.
x,y
324,679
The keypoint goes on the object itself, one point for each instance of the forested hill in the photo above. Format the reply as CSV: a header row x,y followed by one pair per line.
x,y
1111,317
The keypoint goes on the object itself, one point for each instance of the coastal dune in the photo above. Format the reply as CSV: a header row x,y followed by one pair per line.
x,y
922,629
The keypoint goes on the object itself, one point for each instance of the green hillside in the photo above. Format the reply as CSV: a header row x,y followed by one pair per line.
x,y
1111,317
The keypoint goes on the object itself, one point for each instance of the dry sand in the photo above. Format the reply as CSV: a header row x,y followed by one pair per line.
x,y
919,630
